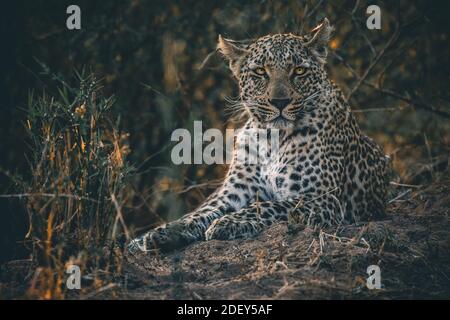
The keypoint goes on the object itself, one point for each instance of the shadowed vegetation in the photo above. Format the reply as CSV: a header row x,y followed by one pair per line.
x,y
77,187
80,171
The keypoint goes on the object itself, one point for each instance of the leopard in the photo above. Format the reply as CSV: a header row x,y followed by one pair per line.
x,y
327,172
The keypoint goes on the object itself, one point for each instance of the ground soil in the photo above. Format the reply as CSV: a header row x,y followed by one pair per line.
x,y
411,247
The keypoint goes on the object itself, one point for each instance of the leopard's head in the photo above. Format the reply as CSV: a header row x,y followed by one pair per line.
x,y
280,76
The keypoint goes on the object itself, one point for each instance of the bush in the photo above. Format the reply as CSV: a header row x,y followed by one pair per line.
x,y
77,187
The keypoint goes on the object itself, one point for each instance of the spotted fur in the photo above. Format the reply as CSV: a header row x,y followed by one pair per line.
x,y
326,173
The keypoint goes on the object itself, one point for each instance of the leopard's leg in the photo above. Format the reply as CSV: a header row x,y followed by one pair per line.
x,y
311,211
233,195
181,232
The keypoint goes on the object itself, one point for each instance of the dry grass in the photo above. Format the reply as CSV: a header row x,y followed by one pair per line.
x,y
76,188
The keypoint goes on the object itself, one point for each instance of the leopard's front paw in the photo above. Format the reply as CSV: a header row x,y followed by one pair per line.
x,y
171,236
149,241
136,245
218,230
226,228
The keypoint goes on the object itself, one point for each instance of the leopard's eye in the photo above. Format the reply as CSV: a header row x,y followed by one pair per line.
x,y
299,71
260,71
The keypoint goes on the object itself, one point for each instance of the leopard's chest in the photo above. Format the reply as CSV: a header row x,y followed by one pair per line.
x,y
277,180
282,176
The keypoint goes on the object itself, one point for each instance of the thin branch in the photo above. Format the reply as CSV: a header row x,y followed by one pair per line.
x,y
119,217
418,104
47,195
377,109
374,62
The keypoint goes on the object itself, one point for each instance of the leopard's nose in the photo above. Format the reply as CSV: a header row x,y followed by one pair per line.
x,y
280,104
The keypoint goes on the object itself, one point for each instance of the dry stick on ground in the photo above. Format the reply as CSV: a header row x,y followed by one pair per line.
x,y
401,195
345,240
100,290
377,109
405,185
300,202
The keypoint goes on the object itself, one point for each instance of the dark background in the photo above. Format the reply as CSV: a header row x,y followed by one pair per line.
x,y
149,55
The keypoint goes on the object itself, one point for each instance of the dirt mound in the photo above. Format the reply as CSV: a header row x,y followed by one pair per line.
x,y
411,247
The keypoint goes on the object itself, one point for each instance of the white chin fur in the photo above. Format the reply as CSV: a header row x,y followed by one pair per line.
x,y
280,124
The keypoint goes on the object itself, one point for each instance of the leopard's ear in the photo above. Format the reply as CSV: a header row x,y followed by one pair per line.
x,y
319,40
232,52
